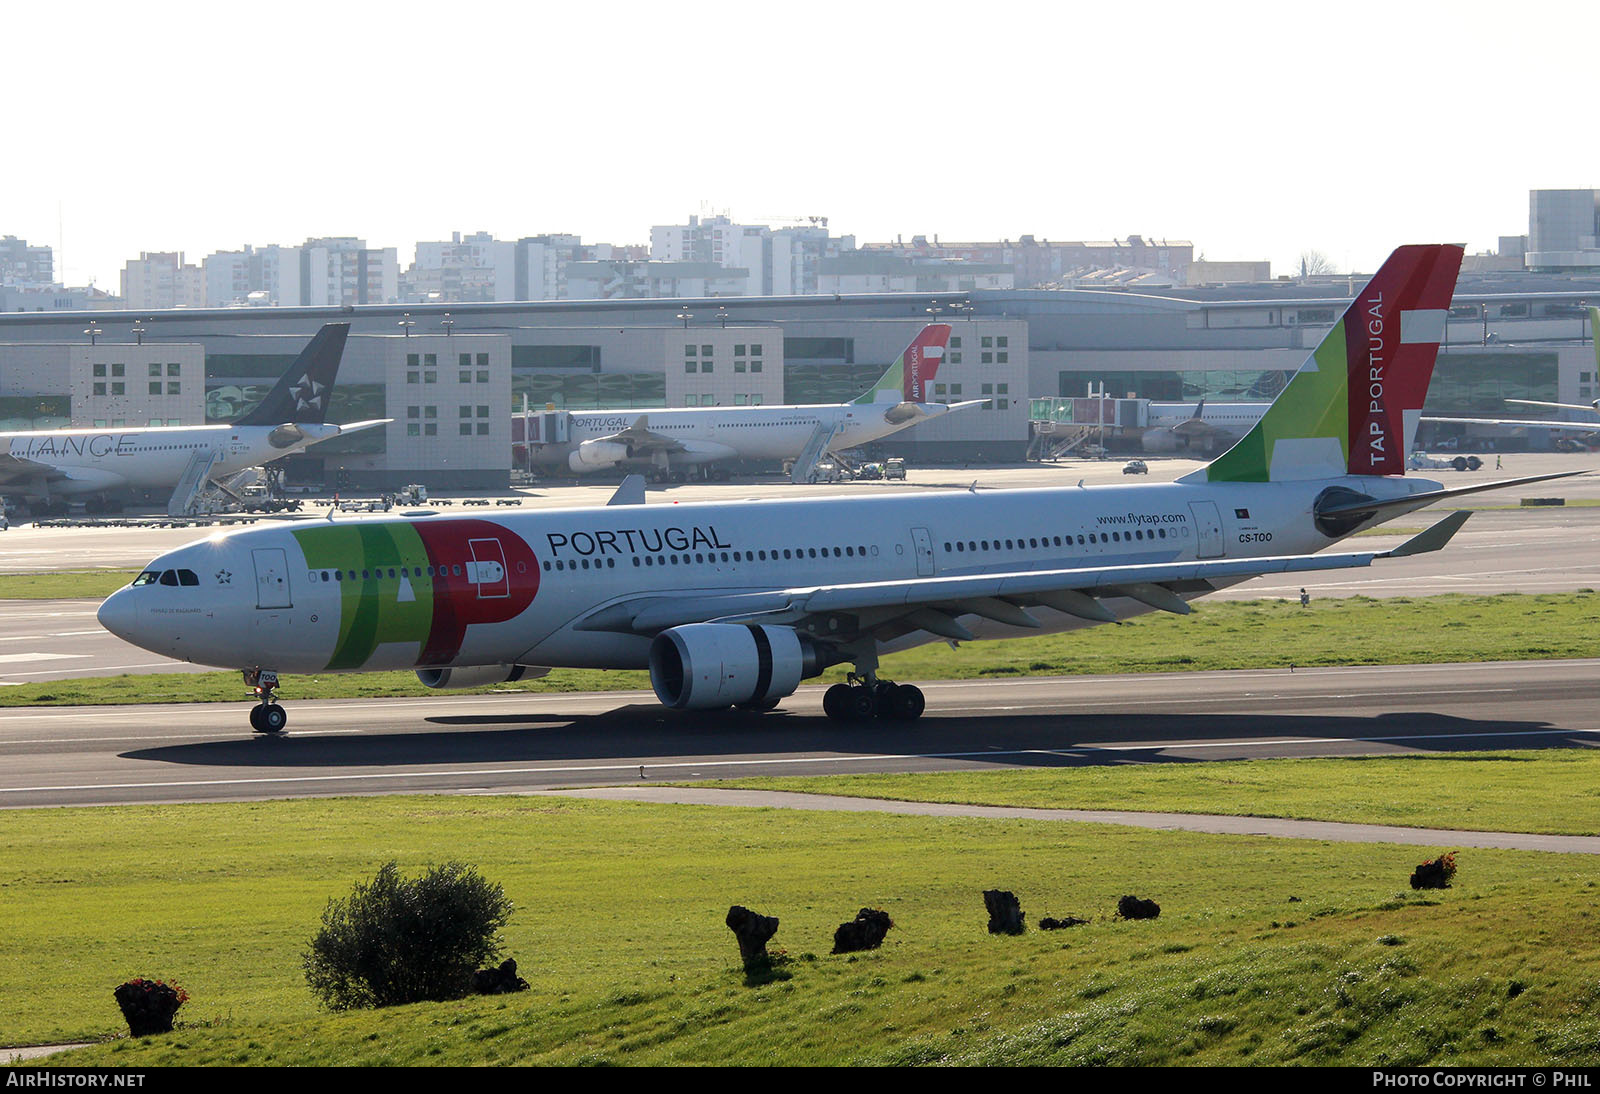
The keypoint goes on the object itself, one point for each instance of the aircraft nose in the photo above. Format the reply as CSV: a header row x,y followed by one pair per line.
x,y
119,615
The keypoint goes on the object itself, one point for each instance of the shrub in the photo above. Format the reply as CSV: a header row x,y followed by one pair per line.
x,y
398,941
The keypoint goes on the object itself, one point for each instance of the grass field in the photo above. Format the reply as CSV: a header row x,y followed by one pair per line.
x,y
1266,951
1549,791
1219,635
64,584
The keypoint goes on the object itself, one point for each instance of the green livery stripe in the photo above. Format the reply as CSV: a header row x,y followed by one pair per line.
x,y
375,609
892,380
1313,404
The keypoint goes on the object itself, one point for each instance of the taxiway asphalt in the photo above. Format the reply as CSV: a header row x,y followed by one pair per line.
x,y
520,743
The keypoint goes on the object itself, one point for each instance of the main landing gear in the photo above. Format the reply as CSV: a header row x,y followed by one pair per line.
x,y
266,716
860,700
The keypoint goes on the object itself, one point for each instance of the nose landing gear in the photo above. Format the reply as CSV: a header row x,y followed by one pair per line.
x,y
266,716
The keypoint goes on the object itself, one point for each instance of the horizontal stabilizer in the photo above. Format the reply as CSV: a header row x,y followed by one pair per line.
x,y
1434,538
1417,501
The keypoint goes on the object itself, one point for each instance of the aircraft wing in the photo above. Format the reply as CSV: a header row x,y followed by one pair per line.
x,y
1195,427
14,469
1522,423
888,609
1562,406
641,440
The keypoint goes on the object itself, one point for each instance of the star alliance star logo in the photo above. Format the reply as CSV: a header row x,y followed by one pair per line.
x,y
308,394
224,577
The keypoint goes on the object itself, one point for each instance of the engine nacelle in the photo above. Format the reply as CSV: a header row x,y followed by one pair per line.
x,y
596,456
703,666
477,676
1159,440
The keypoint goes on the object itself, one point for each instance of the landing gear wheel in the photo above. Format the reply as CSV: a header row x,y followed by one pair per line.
x,y
268,718
859,704
833,701
907,703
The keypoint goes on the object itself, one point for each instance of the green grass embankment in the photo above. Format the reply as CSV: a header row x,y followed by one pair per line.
x,y
1548,791
1266,951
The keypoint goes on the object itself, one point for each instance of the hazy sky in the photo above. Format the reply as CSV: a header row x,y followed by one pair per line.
x,y
1255,130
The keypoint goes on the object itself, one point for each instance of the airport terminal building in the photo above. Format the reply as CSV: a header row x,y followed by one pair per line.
x,y
453,378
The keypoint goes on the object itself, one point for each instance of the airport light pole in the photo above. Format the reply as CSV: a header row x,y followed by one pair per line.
x,y
406,324
685,316
93,333
138,334
447,323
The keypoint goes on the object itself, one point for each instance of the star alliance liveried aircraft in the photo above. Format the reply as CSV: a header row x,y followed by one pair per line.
x,y
62,463
735,603
666,441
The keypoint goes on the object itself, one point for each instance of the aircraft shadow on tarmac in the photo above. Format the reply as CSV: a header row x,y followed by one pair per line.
x,y
645,732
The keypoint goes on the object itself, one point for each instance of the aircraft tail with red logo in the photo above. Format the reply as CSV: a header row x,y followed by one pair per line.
x,y
910,375
1352,408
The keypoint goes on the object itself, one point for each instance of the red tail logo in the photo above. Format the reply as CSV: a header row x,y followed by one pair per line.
x,y
1392,334
921,361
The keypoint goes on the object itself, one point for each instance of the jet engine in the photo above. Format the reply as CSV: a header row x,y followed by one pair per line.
x,y
477,676
596,456
1159,440
702,666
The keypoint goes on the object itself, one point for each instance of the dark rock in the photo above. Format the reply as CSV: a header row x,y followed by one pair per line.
x,y
864,932
500,981
149,1006
752,931
1049,923
1131,907
1436,873
1005,911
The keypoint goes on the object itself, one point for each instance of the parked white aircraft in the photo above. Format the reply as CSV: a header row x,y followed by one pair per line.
x,y
666,441
49,466
1199,426
733,604
1590,429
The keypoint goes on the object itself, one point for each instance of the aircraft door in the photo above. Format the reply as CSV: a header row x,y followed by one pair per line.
x,y
1208,529
489,572
272,578
924,545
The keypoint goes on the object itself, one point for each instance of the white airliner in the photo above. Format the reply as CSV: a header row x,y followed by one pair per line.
x,y
52,465
1590,429
735,603
1170,426
665,441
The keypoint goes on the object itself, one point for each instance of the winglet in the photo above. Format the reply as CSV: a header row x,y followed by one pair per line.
x,y
1433,539
630,492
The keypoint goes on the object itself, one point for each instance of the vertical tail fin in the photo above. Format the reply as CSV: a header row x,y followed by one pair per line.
x,y
1352,408
301,394
908,375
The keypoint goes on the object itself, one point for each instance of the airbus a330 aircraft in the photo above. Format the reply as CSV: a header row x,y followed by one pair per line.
x,y
1198,427
64,463
666,441
734,604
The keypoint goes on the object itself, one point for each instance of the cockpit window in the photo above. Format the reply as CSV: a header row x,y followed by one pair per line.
x,y
167,577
